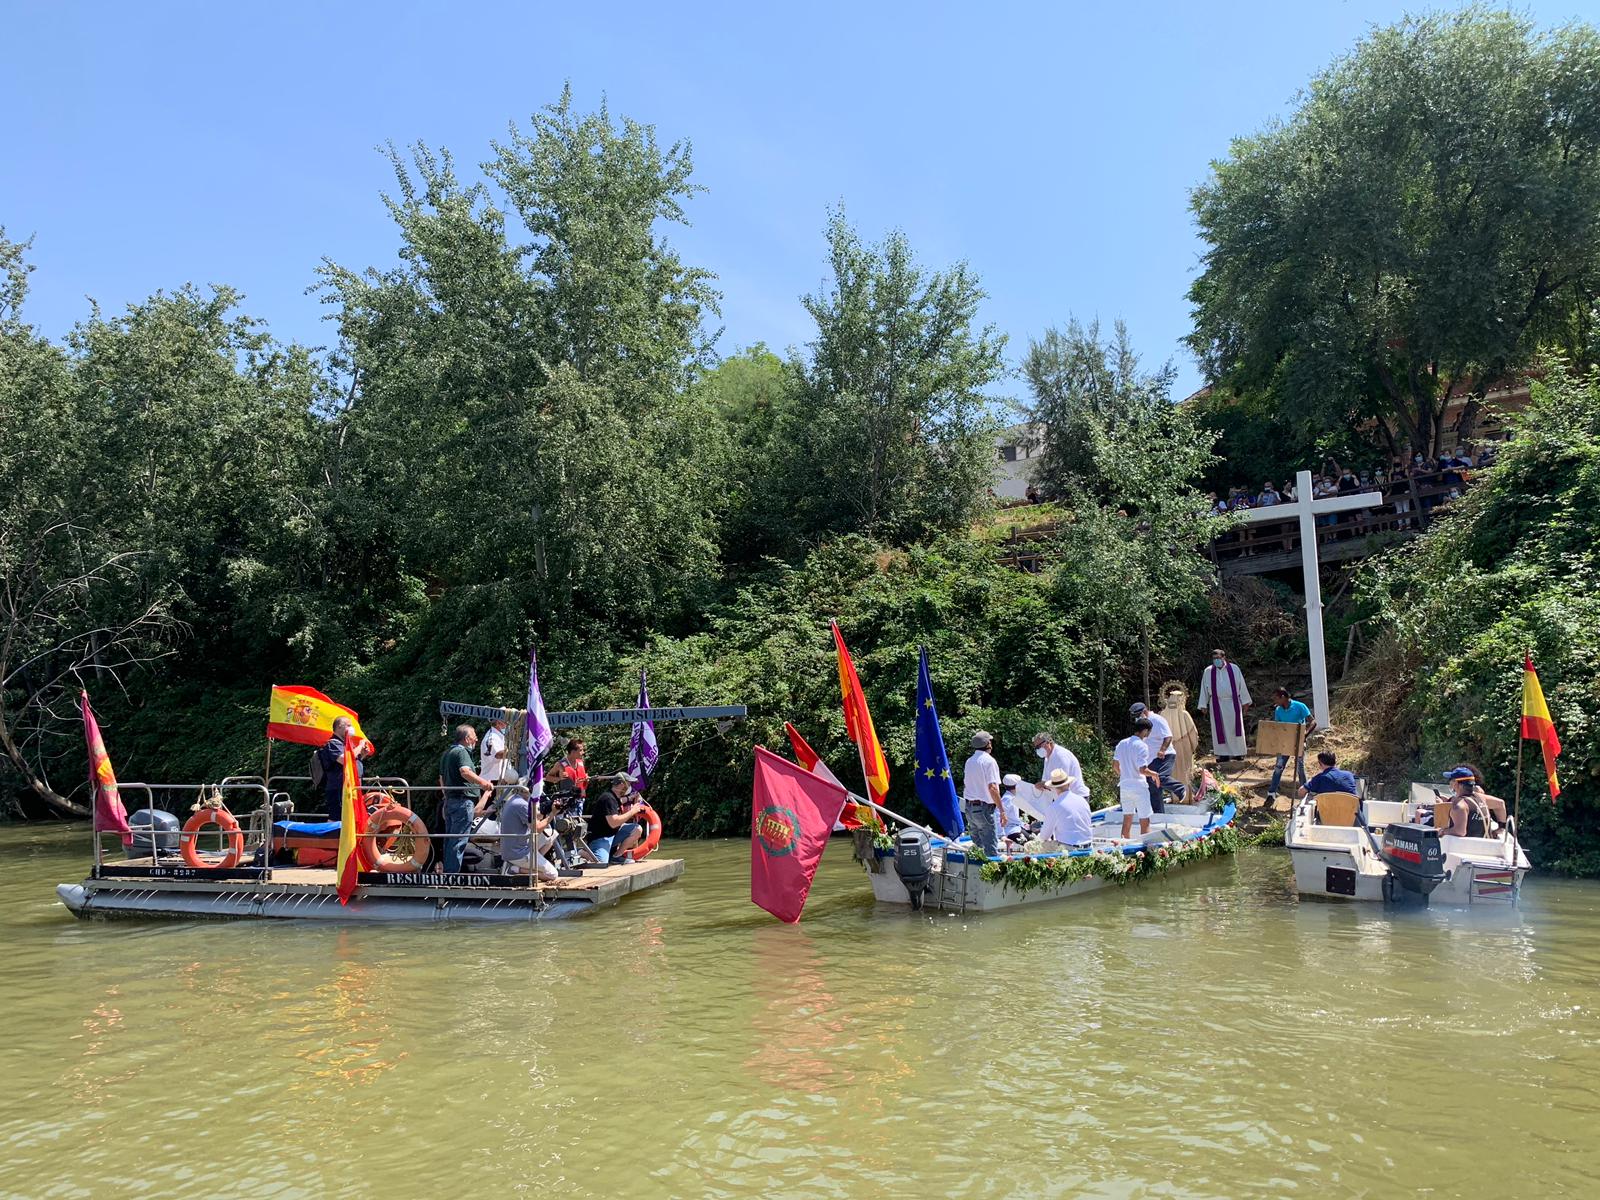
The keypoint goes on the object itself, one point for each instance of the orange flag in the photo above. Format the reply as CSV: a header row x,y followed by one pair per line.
x,y
1537,725
109,814
305,715
352,824
858,724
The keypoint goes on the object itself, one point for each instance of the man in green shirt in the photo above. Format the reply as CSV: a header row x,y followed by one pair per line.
x,y
464,791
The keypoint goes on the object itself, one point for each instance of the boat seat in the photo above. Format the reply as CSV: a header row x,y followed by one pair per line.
x,y
1441,813
1337,808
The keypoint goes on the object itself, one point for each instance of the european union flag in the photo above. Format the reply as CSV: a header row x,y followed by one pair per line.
x,y
935,788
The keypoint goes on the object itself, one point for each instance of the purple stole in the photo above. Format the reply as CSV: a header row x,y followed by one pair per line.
x,y
1216,712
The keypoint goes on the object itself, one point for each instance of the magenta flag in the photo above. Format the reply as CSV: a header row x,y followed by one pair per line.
x,y
792,814
109,815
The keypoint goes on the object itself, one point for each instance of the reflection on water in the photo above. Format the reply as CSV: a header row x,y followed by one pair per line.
x,y
1206,1036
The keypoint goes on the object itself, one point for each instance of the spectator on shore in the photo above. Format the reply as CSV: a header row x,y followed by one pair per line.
x,y
1269,496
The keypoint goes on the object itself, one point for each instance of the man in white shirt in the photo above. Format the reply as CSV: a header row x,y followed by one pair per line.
x,y
1059,758
1066,820
1162,757
493,764
1134,777
980,790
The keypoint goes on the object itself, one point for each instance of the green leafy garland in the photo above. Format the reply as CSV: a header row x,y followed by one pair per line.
x,y
1024,875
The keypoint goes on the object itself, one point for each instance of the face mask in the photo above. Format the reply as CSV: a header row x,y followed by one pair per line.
x,y
1039,750
1217,663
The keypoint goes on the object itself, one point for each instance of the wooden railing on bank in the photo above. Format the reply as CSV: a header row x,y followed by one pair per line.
x,y
1265,546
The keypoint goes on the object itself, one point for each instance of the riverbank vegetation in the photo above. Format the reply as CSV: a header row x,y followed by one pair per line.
x,y
524,431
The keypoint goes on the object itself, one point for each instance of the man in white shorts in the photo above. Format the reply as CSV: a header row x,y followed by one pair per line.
x,y
1134,776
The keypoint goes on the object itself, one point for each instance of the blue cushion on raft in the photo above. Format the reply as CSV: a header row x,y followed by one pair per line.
x,y
307,828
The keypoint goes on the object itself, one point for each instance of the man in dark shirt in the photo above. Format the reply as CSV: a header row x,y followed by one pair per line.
x,y
465,791
1330,778
611,828
330,756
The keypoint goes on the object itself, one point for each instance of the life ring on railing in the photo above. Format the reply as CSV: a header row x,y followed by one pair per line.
x,y
652,835
232,839
385,826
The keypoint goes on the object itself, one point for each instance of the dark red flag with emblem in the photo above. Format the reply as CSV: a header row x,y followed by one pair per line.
x,y
793,812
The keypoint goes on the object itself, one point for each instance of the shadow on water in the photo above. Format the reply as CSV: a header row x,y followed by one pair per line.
x,y
1202,1035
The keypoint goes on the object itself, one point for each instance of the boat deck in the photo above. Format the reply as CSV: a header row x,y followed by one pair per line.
x,y
140,887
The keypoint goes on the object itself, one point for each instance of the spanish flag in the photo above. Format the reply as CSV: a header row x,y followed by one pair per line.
x,y
858,724
352,824
1537,725
305,715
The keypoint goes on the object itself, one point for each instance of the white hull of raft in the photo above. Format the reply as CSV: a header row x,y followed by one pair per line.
x,y
304,895
957,884
1335,862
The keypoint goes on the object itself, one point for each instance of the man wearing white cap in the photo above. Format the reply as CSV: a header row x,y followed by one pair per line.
x,y
1066,819
1007,813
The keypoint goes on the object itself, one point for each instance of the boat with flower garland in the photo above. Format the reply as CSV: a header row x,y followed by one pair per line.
x,y
960,878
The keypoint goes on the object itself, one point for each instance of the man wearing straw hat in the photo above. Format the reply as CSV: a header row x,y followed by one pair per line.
x,y
1066,819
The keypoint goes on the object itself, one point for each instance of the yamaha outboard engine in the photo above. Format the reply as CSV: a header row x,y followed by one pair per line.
x,y
1415,858
913,862
154,831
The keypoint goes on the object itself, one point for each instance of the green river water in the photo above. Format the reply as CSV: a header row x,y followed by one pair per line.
x,y
1202,1036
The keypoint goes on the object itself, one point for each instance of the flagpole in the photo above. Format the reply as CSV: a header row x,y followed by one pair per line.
x,y
1516,800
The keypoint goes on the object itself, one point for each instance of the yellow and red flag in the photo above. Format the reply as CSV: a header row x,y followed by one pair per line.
x,y
352,824
305,715
858,724
1537,725
851,817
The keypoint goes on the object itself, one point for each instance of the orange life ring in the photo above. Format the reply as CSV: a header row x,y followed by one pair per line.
x,y
233,839
386,824
652,835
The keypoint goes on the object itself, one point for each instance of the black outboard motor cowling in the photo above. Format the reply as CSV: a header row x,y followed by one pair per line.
x,y
913,862
1415,858
154,830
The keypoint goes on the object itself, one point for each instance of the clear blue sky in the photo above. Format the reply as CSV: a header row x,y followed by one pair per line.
x,y
1051,145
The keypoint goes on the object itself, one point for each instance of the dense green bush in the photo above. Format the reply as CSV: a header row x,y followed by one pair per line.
x,y
1515,567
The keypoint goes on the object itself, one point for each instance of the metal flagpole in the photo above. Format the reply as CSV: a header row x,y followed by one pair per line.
x,y
1516,801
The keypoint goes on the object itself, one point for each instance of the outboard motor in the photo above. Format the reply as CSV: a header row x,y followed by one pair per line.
x,y
913,862
1415,858
154,831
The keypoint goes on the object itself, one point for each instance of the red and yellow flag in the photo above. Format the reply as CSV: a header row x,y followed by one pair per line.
x,y
1537,725
305,715
352,824
858,724
109,814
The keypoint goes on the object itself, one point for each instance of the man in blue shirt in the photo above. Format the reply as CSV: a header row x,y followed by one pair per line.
x,y
1330,778
1291,712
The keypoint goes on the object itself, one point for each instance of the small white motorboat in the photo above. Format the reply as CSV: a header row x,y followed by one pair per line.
x,y
1345,847
951,875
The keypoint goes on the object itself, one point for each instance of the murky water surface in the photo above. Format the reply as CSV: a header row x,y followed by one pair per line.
x,y
1205,1036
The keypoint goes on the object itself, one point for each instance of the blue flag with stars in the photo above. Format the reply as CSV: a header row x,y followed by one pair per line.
x,y
935,788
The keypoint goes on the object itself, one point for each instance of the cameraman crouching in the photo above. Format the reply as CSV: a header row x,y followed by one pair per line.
x,y
517,850
612,831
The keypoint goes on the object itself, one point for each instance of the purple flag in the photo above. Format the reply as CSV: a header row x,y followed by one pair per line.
x,y
642,753
540,735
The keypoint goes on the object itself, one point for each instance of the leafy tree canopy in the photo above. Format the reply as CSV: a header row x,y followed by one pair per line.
x,y
1414,231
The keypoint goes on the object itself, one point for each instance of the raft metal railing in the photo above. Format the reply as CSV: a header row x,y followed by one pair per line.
x,y
258,826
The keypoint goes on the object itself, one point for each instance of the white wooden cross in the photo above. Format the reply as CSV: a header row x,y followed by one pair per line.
x,y
1308,509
